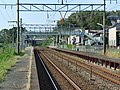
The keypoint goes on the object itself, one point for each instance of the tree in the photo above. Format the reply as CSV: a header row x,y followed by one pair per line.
x,y
4,36
9,35
87,19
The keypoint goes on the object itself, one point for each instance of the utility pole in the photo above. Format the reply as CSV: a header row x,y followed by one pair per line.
x,y
20,34
18,43
104,43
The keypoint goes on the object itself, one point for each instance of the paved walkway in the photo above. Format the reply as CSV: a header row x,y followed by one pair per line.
x,y
18,78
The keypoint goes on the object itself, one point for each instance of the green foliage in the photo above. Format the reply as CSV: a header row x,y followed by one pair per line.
x,y
7,54
87,20
112,52
1,45
6,62
20,54
9,35
45,43
5,66
69,46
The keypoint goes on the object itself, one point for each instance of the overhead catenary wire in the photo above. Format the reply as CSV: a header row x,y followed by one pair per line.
x,y
3,16
6,10
13,15
111,8
8,14
68,1
53,16
59,11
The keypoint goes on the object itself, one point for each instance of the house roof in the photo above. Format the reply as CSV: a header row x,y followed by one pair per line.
x,y
113,17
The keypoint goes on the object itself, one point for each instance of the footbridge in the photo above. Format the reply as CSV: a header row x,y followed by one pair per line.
x,y
42,35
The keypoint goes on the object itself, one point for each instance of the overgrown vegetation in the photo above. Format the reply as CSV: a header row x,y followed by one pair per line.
x,y
114,53
7,60
5,65
69,46
20,53
8,56
9,35
86,20
46,43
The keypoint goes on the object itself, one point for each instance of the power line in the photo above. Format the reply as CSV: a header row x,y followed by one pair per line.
x,y
114,7
13,13
6,11
111,8
11,10
52,17
8,14
55,12
3,16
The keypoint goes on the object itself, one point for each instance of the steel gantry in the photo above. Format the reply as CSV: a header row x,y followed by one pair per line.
x,y
54,7
57,8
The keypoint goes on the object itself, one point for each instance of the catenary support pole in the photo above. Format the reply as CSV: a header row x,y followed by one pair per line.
x,y
104,43
20,34
18,43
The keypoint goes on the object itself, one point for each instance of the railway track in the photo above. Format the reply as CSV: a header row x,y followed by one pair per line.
x,y
45,79
95,68
62,76
115,78
98,59
76,78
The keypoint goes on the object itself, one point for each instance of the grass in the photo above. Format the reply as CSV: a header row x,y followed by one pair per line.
x,y
20,53
45,43
111,52
7,60
5,66
114,53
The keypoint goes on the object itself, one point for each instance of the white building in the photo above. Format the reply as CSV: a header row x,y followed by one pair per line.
x,y
114,35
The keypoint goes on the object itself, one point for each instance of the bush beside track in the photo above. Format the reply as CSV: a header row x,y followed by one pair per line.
x,y
7,61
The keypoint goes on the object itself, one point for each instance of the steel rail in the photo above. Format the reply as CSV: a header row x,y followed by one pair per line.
x,y
52,81
83,65
96,67
62,73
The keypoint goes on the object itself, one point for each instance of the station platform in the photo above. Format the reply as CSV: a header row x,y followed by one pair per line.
x,y
23,74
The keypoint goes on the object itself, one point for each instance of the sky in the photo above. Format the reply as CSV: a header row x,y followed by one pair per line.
x,y
8,13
